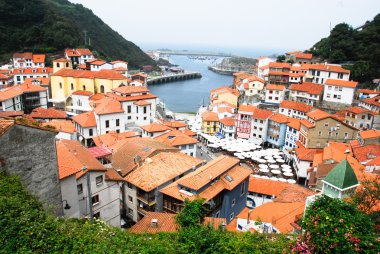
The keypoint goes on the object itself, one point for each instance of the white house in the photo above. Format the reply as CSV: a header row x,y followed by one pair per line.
x,y
80,102
319,73
253,85
252,122
175,138
28,60
292,133
86,185
263,66
154,130
97,65
309,93
109,116
339,91
274,94
303,160
19,75
78,56
65,127
294,109
227,127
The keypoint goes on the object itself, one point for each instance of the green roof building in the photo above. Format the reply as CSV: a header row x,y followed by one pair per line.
x,y
341,182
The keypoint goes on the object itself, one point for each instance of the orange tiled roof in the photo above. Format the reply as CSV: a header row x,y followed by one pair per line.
x,y
266,186
40,58
358,110
275,87
279,214
84,93
17,90
369,134
102,74
256,112
299,106
25,55
112,175
96,62
142,103
61,60
160,169
228,121
131,98
306,154
86,119
73,158
373,101
176,138
255,78
208,172
131,89
108,106
5,125
111,138
318,114
189,133
77,52
127,153
210,116
155,127
308,87
174,124
368,91
34,71
11,113
355,143
325,67
344,83
166,223
304,55
307,123
61,125
364,153
279,118
294,123
247,108
48,113
279,65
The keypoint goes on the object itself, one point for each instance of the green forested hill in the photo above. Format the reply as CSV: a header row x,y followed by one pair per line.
x,y
53,25
359,46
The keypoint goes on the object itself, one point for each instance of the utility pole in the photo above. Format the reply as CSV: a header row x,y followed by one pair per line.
x,y
85,37
89,195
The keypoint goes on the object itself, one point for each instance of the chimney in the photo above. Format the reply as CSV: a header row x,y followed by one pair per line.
x,y
154,223
249,215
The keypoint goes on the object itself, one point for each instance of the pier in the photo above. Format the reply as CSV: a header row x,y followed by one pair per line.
x,y
173,78
193,53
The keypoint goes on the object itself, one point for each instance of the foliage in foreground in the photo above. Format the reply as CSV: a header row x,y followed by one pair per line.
x,y
334,226
26,228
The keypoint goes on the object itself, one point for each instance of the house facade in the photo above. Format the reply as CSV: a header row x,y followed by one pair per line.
x,y
339,91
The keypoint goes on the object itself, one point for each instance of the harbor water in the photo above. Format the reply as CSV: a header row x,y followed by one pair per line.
x,y
188,95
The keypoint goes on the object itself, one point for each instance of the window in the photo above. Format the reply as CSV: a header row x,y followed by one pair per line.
x,y
129,185
340,75
345,135
233,202
231,216
242,189
130,211
107,123
99,180
97,215
102,89
95,200
117,122
329,134
329,87
72,86
58,65
129,109
328,95
80,188
129,117
90,132
84,88
130,198
60,84
326,124
320,133
144,109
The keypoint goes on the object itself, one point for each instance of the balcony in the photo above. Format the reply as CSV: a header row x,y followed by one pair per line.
x,y
143,209
147,198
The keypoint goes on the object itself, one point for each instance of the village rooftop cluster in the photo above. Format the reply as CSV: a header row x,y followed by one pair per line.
x,y
86,138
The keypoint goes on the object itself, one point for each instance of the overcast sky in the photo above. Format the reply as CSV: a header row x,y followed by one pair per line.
x,y
264,24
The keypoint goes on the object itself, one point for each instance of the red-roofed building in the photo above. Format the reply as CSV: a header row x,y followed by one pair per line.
x,y
77,166
47,114
188,145
358,117
20,75
6,80
252,122
65,127
362,94
339,91
28,60
309,93
373,104
210,122
303,160
294,109
369,137
299,57
292,133
227,127
78,56
278,73
274,94
319,73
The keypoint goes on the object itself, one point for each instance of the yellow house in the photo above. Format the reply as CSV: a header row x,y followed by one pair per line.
x,y
65,81
210,123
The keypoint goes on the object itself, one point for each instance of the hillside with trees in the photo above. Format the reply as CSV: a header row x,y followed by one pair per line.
x,y
50,26
359,48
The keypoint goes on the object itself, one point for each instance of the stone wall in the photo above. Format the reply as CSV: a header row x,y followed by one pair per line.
x,y
30,153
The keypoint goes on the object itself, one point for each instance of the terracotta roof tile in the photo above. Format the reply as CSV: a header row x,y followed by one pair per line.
x,y
155,127
368,152
99,151
86,119
307,87
344,83
279,118
368,91
306,154
176,138
5,125
111,138
304,55
142,103
210,116
131,89
84,93
44,70
131,98
160,169
61,125
369,134
299,106
275,87
307,123
318,114
48,113
228,121
38,58
175,124
77,52
102,74
325,67
11,113
72,158
108,106
294,123
279,65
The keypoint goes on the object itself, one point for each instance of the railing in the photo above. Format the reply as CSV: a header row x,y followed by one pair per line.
x,y
147,199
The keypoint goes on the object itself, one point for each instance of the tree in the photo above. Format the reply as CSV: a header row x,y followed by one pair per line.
x,y
192,214
280,58
333,225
